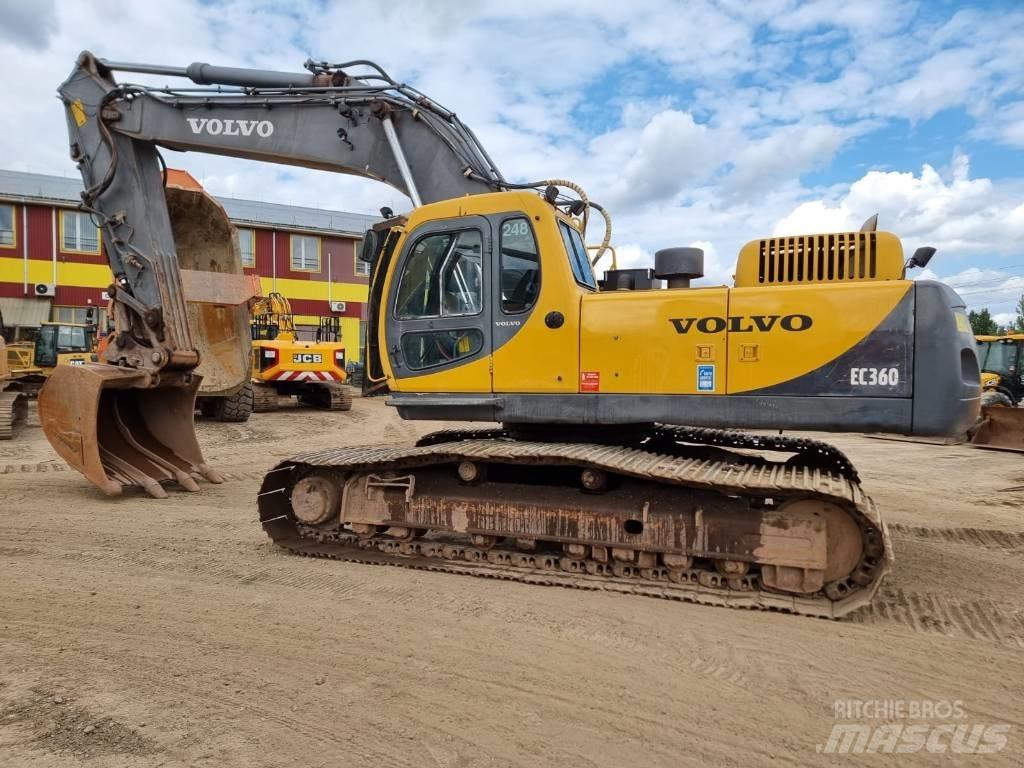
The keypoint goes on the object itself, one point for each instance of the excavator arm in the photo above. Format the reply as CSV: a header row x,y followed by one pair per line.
x,y
128,421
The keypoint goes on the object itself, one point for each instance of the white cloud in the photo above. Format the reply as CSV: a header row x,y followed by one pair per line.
x,y
990,289
961,216
694,122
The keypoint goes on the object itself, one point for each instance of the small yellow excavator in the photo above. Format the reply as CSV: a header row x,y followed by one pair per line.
x,y
283,366
1001,425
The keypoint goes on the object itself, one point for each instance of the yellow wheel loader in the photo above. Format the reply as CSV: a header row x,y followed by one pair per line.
x,y
284,366
618,463
1001,425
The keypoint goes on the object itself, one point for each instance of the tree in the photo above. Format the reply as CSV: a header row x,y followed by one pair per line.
x,y
982,323
1020,315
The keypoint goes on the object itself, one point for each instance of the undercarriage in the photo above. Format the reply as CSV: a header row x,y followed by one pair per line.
x,y
673,512
324,395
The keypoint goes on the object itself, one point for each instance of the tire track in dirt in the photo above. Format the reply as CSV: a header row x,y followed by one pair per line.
x,y
985,537
200,689
927,612
43,466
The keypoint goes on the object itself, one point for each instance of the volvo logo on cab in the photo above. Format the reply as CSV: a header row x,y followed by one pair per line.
x,y
741,323
216,127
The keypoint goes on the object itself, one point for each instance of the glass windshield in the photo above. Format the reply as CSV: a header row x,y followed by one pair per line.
x,y
520,266
443,277
998,357
46,346
71,339
578,258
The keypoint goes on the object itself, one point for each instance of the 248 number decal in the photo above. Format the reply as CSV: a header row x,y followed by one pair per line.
x,y
874,377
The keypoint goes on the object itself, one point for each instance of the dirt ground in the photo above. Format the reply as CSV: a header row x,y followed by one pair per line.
x,y
137,632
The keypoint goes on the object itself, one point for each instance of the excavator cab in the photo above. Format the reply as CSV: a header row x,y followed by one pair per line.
x,y
64,344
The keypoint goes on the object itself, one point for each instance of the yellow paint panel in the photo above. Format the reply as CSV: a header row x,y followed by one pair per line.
x,y
78,112
315,290
840,315
631,340
68,272
471,377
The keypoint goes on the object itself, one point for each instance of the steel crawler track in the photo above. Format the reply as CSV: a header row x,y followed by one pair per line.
x,y
13,412
670,456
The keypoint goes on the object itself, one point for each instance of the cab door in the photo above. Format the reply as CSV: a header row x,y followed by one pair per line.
x,y
438,323
541,272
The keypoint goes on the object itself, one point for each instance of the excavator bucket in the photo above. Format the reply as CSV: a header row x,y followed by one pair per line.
x,y
105,422
216,289
1001,428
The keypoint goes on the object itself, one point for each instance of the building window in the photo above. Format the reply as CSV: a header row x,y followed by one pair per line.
x,y
247,247
362,268
78,233
7,235
75,315
305,253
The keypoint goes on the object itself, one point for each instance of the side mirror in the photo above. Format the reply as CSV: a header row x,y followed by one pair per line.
x,y
921,257
372,243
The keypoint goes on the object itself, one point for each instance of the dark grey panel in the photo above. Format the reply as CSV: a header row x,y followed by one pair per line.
x,y
847,414
947,392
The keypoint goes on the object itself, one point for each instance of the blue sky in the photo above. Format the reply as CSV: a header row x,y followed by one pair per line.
x,y
700,122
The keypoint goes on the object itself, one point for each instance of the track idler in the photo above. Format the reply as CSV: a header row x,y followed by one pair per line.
x,y
110,425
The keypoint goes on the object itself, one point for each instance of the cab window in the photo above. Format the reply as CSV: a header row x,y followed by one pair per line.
x,y
520,266
578,259
443,277
430,348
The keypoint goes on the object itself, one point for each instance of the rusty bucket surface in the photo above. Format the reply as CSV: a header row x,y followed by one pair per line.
x,y
105,423
1001,428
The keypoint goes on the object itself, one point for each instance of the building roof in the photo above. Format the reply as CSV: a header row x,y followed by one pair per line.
x,y
40,188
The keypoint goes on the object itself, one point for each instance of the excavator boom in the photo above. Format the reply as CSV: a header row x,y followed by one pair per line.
x,y
128,420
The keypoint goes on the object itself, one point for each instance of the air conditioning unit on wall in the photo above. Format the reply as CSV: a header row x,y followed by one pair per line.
x,y
337,306
46,289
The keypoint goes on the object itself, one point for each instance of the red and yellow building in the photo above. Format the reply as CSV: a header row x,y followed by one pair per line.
x,y
52,266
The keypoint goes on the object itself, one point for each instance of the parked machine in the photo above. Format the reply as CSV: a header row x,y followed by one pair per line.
x,y
13,400
1001,424
31,362
1002,378
484,306
312,371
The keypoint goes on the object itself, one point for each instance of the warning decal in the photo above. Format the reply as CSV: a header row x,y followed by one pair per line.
x,y
590,381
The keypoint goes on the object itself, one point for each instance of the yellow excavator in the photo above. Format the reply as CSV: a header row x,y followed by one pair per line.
x,y
1002,389
285,366
617,463
13,400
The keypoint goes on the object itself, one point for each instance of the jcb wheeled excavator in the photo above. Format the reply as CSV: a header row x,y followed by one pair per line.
x,y
283,365
484,306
